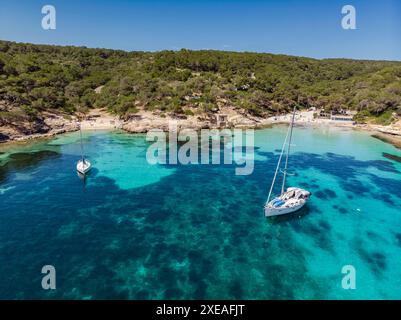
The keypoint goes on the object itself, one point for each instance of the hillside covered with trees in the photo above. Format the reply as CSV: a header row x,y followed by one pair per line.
x,y
41,78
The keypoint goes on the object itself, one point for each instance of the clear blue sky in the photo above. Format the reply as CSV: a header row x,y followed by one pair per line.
x,y
296,27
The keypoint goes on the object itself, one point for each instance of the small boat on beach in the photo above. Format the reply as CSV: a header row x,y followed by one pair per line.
x,y
292,199
83,165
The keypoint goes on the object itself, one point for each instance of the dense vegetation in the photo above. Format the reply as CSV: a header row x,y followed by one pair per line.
x,y
38,78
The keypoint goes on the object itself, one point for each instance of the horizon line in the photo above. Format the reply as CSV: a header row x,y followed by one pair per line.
x,y
197,50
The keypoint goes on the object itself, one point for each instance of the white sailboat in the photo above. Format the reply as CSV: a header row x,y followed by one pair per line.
x,y
83,165
292,199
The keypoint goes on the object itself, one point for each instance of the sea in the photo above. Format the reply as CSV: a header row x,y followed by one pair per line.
x,y
135,230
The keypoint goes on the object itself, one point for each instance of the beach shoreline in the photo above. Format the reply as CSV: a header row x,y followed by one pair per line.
x,y
145,121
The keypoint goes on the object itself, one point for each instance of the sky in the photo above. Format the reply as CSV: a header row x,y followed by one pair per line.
x,y
309,28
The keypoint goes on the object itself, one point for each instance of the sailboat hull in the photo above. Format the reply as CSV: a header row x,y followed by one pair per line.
x,y
271,212
83,167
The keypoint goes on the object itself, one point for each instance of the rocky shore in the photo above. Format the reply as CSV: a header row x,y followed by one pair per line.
x,y
225,118
144,121
141,122
47,126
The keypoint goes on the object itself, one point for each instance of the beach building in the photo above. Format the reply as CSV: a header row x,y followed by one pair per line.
x,y
338,115
341,117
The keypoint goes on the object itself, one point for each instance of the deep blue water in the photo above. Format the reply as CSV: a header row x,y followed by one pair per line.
x,y
136,231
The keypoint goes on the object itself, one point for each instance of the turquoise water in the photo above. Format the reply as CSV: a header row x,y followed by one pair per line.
x,y
136,231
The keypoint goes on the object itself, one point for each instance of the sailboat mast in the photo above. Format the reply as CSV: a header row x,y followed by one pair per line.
x,y
278,167
288,151
82,147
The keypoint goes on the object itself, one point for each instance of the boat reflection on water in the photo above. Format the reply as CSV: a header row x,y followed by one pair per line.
x,y
83,177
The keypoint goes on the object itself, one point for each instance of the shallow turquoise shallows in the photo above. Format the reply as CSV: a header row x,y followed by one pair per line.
x,y
138,231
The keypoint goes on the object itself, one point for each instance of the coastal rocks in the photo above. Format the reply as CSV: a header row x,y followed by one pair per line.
x,y
144,122
392,139
390,134
3,137
52,124
46,126
144,125
59,125
392,157
240,121
141,122
390,130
